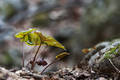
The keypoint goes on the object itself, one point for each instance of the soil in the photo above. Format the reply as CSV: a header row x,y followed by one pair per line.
x,y
62,74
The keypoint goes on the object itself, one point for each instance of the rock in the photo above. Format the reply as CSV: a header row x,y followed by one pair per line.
x,y
58,14
99,61
18,4
101,78
5,31
40,20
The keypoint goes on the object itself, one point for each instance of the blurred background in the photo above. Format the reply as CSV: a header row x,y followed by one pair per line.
x,y
77,24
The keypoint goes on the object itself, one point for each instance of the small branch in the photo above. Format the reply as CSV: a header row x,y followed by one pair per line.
x,y
114,66
6,75
35,75
19,75
48,66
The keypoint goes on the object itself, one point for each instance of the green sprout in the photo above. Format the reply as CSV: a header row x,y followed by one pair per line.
x,y
34,37
113,51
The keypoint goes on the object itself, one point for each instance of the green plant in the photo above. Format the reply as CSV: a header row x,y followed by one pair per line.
x,y
34,37
112,52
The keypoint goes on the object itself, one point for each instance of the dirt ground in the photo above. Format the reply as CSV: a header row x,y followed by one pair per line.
x,y
62,74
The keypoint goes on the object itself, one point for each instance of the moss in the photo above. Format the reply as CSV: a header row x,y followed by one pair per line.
x,y
100,11
40,19
113,51
9,11
7,60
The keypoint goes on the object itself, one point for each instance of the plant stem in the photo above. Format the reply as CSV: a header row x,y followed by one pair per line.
x,y
36,53
33,64
22,54
48,66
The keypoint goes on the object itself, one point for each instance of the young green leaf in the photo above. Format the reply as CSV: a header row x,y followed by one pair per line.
x,y
50,41
34,37
22,34
62,55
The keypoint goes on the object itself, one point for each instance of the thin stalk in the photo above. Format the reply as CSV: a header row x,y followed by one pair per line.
x,y
30,53
33,64
41,51
114,66
48,66
23,55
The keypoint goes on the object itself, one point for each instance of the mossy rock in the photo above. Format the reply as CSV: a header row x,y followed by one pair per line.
x,y
6,60
99,60
99,11
8,10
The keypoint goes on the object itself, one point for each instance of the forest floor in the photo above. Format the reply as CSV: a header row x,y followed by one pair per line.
x,y
62,74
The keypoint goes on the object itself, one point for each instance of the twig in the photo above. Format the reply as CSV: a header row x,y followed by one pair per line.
x,y
29,59
114,66
35,75
48,66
